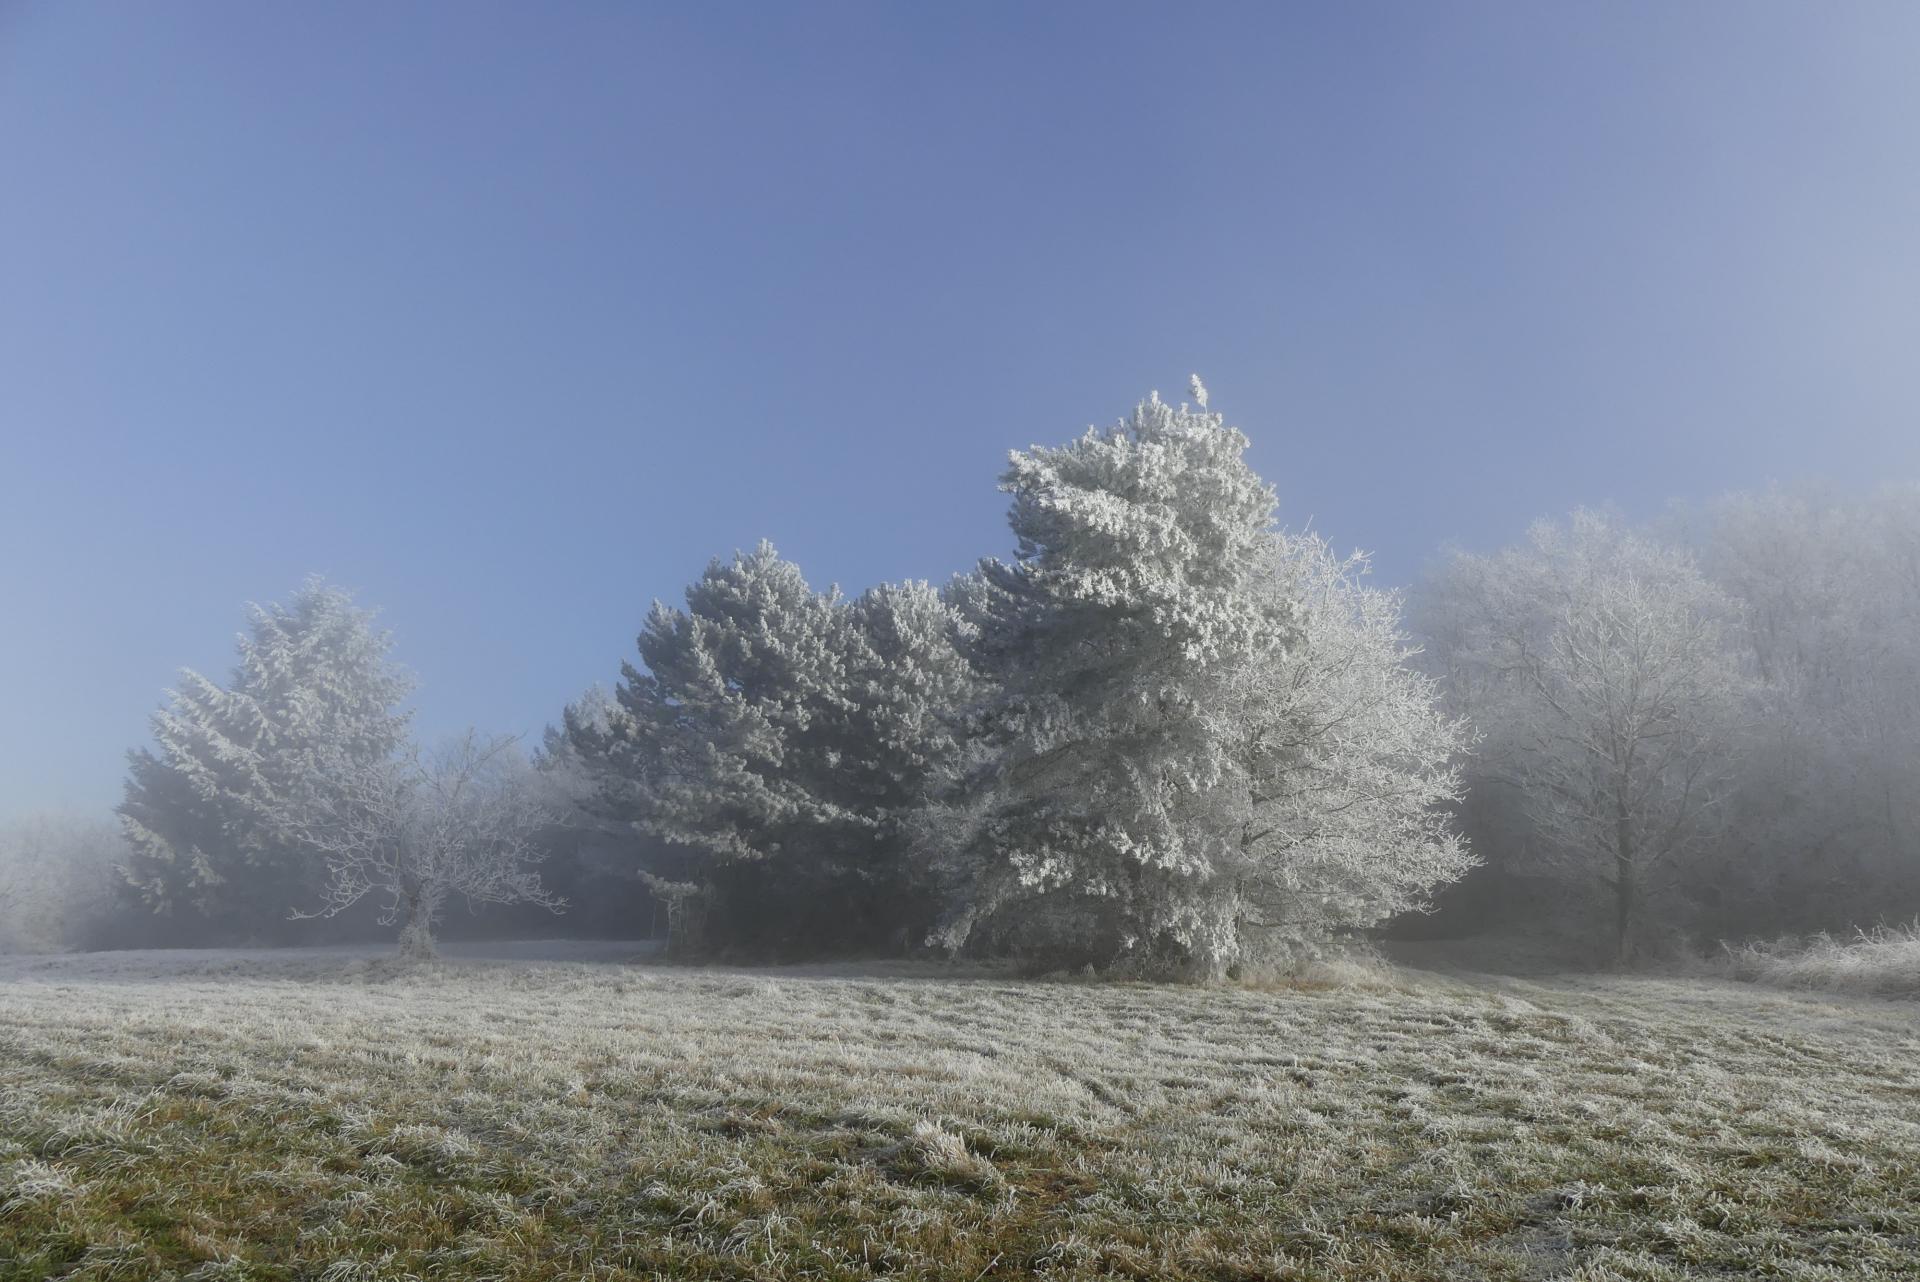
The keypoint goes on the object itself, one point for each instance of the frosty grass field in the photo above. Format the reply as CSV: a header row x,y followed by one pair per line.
x,y
317,1114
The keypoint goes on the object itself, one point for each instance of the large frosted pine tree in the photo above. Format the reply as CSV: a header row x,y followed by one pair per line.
x,y
313,696
1092,822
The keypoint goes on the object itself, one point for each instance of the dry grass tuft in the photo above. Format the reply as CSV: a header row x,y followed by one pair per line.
x,y
1884,962
1357,968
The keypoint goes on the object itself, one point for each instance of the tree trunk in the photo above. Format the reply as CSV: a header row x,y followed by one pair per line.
x,y
416,935
1623,906
1624,889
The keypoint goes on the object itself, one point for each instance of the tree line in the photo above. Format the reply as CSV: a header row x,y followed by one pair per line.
x,y
1163,736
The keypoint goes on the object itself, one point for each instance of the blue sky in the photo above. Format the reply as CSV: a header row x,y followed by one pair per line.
x,y
511,316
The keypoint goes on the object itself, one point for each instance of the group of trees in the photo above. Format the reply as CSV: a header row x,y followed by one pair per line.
x,y
1597,664
1714,721
1164,736
1825,829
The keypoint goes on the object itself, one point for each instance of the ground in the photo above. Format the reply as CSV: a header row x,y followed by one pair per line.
x,y
581,1112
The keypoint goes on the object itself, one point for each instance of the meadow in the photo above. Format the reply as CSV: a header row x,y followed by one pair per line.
x,y
584,1113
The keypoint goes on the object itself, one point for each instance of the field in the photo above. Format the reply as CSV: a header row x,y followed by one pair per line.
x,y
321,1115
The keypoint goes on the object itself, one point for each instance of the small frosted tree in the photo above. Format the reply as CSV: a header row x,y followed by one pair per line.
x,y
420,829
313,693
1600,666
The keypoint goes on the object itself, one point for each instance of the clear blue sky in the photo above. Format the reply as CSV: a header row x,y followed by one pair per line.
x,y
510,317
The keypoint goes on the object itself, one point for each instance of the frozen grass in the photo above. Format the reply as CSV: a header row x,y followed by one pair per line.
x,y
324,1117
1877,963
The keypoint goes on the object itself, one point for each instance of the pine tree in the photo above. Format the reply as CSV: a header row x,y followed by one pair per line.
x,y
1091,821
312,696
908,686
780,736
726,740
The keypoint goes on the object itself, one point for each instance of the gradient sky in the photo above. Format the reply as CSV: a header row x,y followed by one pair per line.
x,y
510,317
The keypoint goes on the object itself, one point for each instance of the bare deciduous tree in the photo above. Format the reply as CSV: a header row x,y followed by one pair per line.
x,y
1825,835
1598,663
423,828
1349,764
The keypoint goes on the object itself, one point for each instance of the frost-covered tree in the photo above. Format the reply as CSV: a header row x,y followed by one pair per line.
x,y
909,686
719,739
1598,663
609,870
569,772
722,743
1090,820
418,829
776,734
1349,762
314,694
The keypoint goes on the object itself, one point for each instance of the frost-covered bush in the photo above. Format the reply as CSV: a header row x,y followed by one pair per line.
x,y
57,880
1884,962
1350,762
